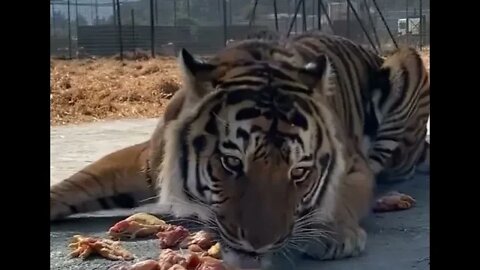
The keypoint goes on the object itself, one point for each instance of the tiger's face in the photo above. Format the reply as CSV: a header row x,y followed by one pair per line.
x,y
251,154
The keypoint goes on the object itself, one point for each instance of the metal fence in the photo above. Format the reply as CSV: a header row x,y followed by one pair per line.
x,y
82,28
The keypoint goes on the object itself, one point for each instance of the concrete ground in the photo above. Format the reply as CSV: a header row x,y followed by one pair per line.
x,y
397,241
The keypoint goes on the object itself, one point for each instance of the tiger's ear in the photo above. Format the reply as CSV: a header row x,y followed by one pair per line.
x,y
196,75
317,74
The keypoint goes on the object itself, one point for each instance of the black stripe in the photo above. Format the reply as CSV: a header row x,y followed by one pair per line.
x,y
78,186
199,144
124,200
299,120
403,91
247,113
244,82
103,203
241,95
243,134
230,145
73,209
325,159
198,179
95,178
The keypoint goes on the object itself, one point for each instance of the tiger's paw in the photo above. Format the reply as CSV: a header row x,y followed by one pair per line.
x,y
393,201
350,242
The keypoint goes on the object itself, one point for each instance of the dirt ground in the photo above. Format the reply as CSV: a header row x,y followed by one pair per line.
x,y
106,89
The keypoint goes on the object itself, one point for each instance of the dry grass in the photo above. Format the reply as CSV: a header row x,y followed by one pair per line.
x,y
92,90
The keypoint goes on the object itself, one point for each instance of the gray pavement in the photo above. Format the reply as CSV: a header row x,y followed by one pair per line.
x,y
397,241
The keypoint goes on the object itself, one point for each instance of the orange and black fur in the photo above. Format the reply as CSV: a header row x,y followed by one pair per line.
x,y
275,142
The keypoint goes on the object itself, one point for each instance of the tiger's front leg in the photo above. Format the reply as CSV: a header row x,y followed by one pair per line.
x,y
344,237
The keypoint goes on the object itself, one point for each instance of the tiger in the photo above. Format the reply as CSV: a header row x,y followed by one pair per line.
x,y
276,144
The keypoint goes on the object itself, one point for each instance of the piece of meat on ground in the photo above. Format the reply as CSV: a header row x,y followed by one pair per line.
x,y
393,201
172,236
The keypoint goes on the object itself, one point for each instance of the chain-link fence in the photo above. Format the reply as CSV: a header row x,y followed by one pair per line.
x,y
81,28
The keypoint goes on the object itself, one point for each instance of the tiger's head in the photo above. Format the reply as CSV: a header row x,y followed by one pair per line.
x,y
250,146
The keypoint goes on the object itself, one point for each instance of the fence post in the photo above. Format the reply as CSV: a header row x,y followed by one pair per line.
x,y
230,19
276,13
53,18
407,35
224,6
114,12
133,30
96,12
120,39
156,12
319,16
294,19
152,30
372,24
385,23
76,23
421,24
350,6
295,4
76,15
69,32
304,17
174,12
348,21
252,14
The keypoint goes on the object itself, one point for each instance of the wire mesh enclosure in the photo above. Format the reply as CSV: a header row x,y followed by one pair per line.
x,y
85,28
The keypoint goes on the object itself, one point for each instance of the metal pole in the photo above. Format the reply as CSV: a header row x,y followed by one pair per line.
x,y
224,6
361,25
188,8
313,14
276,14
69,32
53,19
76,15
132,13
114,12
96,12
348,21
295,6
408,23
156,12
421,23
385,23
152,30
327,16
120,39
294,19
230,18
304,17
319,16
252,15
372,24
174,12
92,11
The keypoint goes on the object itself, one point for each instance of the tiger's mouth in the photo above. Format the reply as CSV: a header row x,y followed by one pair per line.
x,y
243,259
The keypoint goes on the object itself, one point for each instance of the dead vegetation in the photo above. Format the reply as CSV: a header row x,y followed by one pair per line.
x,y
97,89
90,90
